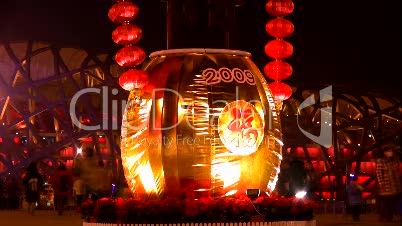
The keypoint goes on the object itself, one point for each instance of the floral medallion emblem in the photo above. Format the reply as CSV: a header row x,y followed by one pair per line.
x,y
241,128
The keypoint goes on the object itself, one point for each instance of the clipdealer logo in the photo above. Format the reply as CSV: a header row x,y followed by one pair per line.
x,y
325,137
111,107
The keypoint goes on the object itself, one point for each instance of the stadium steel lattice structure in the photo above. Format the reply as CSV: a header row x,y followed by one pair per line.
x,y
37,82
361,122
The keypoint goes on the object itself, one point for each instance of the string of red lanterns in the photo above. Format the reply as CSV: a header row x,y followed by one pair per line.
x,y
279,49
127,34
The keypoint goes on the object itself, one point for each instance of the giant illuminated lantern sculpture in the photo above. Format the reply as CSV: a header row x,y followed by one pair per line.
x,y
205,125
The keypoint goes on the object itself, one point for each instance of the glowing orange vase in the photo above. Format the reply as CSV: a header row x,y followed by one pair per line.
x,y
205,125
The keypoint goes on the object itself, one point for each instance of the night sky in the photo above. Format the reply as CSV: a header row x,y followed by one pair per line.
x,y
354,42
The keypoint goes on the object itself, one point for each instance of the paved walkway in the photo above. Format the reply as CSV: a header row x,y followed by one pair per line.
x,y
40,218
50,218
346,220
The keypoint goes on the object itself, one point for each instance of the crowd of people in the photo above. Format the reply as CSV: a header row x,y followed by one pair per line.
x,y
69,187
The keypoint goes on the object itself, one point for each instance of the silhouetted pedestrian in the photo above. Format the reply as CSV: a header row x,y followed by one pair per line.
x,y
79,190
297,177
33,182
3,193
62,185
389,183
12,193
355,198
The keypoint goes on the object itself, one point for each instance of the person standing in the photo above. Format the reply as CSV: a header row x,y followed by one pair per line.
x,y
389,184
79,190
12,190
33,182
297,177
355,198
62,185
3,193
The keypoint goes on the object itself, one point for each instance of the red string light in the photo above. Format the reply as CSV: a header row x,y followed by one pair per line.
x,y
279,49
279,28
127,34
130,56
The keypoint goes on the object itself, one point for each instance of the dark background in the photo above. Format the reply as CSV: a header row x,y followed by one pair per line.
x,y
355,43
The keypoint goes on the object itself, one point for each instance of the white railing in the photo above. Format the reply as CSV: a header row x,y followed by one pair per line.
x,y
277,223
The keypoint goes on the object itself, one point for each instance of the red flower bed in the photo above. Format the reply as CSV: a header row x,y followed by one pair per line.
x,y
205,210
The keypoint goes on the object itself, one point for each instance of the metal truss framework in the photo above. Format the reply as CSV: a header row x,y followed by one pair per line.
x,y
360,123
37,83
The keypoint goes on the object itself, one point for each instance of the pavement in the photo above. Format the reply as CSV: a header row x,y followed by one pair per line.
x,y
346,220
40,217
70,218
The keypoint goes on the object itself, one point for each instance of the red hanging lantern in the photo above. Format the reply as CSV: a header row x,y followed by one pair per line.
x,y
127,34
278,70
123,11
279,28
130,56
280,91
278,49
132,79
279,7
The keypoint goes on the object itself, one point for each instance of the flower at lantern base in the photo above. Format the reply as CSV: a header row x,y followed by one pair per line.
x,y
280,91
130,56
133,79
206,210
123,11
279,28
279,7
278,70
127,34
278,49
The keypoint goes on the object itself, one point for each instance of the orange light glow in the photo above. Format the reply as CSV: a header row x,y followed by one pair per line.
x,y
227,172
135,152
79,151
272,184
231,193
147,178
